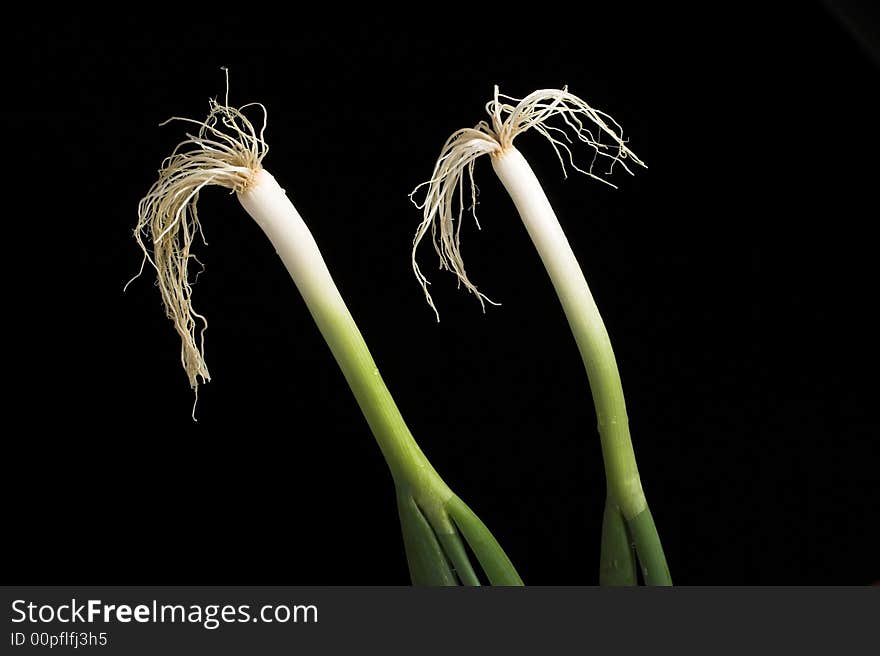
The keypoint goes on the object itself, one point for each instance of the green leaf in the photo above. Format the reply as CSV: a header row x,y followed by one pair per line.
x,y
428,565
655,571
492,558
456,552
617,562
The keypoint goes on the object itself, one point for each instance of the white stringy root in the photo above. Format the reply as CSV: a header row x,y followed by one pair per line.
x,y
444,201
226,151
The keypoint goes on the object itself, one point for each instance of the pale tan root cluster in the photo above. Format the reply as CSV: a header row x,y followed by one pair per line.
x,y
445,199
225,151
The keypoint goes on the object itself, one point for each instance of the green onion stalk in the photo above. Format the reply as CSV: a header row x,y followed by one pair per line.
x,y
629,535
227,151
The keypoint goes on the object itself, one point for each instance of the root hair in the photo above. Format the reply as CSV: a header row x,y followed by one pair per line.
x,y
225,151
558,115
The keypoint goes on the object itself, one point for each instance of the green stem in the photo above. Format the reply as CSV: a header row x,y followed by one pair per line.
x,y
422,494
408,464
588,329
411,469
271,208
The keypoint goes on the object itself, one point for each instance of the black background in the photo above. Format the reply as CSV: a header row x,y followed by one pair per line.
x,y
735,276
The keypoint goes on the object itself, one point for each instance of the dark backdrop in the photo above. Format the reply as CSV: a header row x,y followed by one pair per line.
x,y
735,276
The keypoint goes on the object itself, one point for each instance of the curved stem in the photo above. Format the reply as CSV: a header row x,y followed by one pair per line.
x,y
267,203
430,537
586,324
